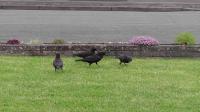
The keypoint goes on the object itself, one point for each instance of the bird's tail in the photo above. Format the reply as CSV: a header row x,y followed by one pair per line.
x,y
117,56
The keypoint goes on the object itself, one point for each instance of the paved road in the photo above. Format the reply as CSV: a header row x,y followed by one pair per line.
x,y
96,26
181,1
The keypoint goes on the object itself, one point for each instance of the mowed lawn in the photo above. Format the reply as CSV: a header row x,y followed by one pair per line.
x,y
29,84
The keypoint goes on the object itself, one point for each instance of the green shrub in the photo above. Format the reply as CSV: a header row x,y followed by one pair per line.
x,y
58,41
186,38
35,41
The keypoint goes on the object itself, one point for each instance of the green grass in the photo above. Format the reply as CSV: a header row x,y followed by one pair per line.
x,y
29,84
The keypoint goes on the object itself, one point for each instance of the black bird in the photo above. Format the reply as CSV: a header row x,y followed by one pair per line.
x,y
86,53
124,58
93,58
58,63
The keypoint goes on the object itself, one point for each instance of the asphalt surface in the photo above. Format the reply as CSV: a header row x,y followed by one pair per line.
x,y
180,1
96,26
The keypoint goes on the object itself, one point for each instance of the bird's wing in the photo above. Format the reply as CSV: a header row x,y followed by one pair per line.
x,y
58,63
121,57
91,58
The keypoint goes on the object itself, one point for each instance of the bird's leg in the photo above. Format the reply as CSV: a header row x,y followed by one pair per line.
x,y
96,63
90,64
120,63
55,69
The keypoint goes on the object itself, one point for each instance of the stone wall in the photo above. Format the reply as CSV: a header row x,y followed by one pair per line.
x,y
110,48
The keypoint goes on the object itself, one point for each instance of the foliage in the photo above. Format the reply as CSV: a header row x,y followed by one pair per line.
x,y
144,40
36,41
58,41
186,38
13,42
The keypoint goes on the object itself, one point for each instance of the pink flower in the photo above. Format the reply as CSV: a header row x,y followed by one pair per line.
x,y
13,41
144,40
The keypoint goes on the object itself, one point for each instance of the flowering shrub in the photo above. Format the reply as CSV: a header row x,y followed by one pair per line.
x,y
144,40
186,38
13,41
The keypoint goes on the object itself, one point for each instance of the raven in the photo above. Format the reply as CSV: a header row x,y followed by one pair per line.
x,y
86,53
124,58
58,63
93,58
